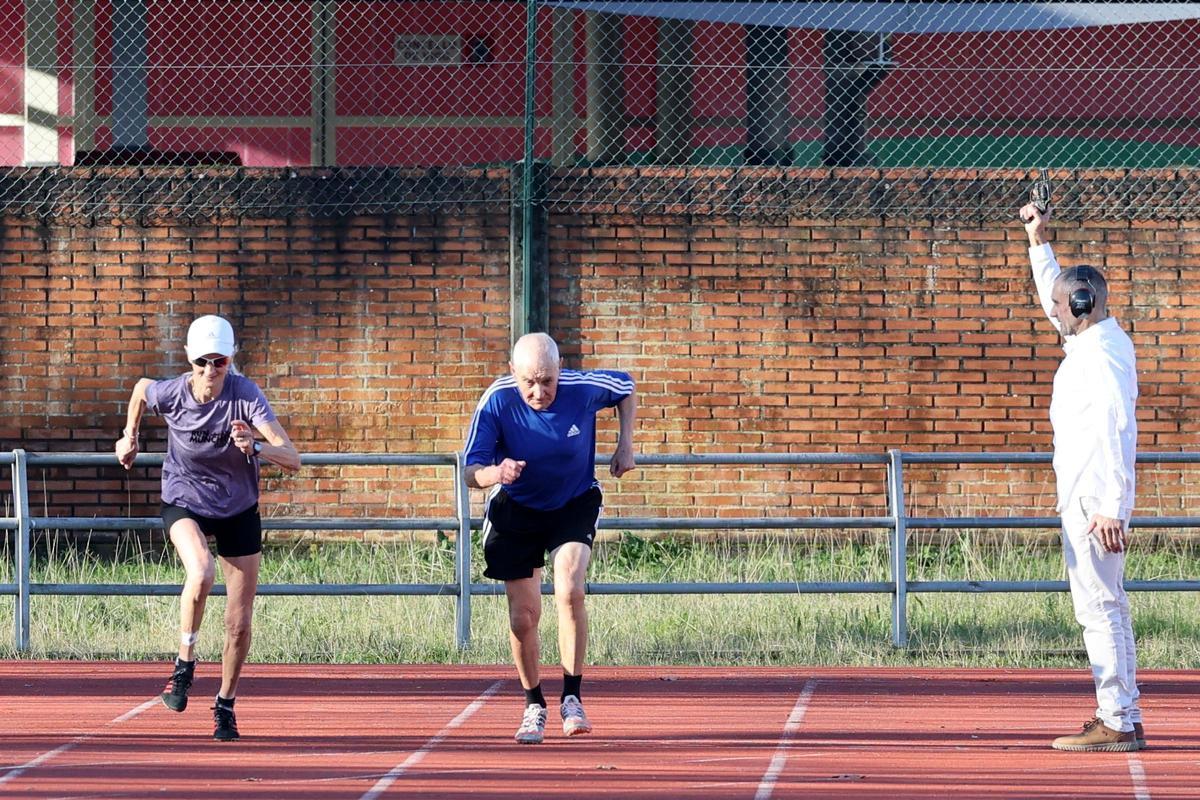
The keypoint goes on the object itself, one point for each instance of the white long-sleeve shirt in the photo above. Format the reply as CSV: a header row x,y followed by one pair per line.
x,y
1092,408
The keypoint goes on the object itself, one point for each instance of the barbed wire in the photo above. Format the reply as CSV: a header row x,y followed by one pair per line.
x,y
357,106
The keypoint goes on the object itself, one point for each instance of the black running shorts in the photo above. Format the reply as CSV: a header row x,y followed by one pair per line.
x,y
239,535
516,538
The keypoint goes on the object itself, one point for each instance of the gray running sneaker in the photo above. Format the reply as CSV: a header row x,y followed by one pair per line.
x,y
533,725
575,722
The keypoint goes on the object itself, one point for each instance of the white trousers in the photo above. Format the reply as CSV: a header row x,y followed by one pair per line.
x,y
1102,608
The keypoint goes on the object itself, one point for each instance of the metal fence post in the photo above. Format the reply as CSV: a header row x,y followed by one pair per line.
x,y
899,549
21,506
462,557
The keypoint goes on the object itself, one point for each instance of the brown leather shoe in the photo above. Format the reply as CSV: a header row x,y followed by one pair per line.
x,y
1139,733
1097,737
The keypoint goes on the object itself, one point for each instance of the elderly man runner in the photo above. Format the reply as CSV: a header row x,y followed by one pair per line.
x,y
532,442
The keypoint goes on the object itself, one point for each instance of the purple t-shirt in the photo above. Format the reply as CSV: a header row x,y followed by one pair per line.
x,y
203,471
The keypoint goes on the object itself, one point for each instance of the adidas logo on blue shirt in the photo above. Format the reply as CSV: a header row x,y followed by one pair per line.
x,y
573,431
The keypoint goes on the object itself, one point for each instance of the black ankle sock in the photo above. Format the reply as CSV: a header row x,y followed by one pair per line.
x,y
226,701
535,695
571,685
179,662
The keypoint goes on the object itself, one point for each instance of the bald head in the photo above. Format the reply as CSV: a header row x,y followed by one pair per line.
x,y
535,365
535,350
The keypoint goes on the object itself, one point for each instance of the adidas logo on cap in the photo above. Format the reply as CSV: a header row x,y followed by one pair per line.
x,y
210,334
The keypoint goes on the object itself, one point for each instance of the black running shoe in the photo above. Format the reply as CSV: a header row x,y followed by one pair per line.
x,y
175,698
226,723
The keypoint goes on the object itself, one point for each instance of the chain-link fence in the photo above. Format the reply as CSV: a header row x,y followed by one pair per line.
x,y
370,104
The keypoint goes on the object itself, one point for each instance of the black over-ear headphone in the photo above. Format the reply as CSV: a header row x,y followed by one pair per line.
x,y
1083,299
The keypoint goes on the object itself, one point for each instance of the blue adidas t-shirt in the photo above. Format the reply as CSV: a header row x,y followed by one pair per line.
x,y
558,445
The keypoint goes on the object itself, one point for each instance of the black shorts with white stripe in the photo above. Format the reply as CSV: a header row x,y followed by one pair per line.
x,y
516,538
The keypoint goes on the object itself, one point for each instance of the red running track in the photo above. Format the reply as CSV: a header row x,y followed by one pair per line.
x,y
96,730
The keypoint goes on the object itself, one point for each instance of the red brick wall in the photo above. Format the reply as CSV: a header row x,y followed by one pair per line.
x,y
369,334
862,335
783,333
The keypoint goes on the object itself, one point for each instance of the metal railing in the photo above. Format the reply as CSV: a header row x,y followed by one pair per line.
x,y
897,522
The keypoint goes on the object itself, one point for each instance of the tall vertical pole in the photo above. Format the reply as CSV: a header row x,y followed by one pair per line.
x,y
41,120
527,171
768,118
605,90
855,63
563,122
324,92
462,556
20,479
130,96
673,92
83,57
899,549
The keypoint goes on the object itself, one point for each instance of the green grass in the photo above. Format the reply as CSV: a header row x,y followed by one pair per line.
x,y
997,630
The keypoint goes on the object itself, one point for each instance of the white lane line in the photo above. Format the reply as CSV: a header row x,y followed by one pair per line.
x,y
767,784
18,771
1137,773
416,756
128,715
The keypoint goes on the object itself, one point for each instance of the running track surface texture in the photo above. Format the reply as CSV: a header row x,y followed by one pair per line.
x,y
97,730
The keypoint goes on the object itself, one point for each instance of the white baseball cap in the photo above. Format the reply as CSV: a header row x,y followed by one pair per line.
x,y
209,334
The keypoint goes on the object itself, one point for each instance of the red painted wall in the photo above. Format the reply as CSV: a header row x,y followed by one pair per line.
x,y
247,60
